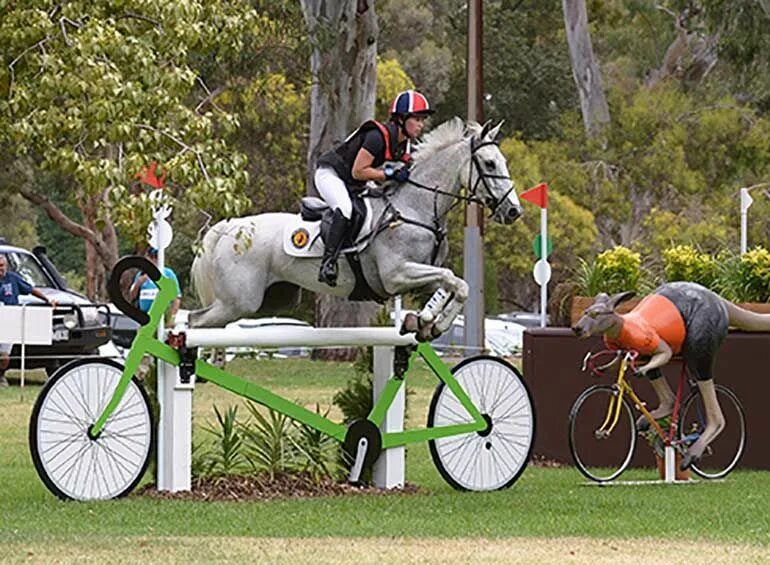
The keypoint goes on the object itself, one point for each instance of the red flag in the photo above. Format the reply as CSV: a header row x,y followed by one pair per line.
x,y
537,195
149,177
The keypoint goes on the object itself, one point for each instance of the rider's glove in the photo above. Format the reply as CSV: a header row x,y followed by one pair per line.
x,y
401,174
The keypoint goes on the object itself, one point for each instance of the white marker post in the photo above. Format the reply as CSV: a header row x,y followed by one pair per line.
x,y
746,201
542,270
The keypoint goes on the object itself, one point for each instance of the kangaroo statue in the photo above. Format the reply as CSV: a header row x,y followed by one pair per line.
x,y
678,317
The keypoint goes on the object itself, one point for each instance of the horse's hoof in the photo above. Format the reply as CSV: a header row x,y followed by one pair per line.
x,y
411,324
425,333
435,332
688,460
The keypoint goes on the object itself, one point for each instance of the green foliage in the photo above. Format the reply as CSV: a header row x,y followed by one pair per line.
x,y
614,270
744,278
97,90
267,443
317,453
391,79
270,445
19,221
224,456
356,399
685,263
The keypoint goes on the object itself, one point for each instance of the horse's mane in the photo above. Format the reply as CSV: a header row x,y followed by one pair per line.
x,y
443,136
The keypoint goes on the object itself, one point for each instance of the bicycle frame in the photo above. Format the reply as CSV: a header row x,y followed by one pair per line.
x,y
146,342
623,387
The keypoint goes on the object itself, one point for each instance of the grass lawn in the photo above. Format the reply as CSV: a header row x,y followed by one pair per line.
x,y
549,514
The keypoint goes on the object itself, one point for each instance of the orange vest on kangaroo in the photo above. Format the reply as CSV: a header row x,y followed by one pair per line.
x,y
653,319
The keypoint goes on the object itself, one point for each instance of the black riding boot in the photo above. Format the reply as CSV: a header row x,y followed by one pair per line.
x,y
334,239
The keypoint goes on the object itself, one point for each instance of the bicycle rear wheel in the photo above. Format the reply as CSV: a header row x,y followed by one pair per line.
x,y
724,453
599,456
72,464
495,457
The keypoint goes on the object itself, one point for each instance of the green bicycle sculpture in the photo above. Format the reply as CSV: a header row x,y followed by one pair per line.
x,y
92,431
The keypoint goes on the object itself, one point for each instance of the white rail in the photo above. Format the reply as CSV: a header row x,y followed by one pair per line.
x,y
296,336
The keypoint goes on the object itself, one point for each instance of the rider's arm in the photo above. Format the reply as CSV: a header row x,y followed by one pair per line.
x,y
362,167
660,357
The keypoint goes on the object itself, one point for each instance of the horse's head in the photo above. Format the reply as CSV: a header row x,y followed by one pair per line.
x,y
489,179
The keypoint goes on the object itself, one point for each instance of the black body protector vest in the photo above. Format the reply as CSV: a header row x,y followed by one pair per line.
x,y
342,157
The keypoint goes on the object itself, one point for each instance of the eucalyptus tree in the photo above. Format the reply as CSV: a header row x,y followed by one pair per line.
x,y
94,91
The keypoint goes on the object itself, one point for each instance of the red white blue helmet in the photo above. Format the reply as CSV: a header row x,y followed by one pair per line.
x,y
410,102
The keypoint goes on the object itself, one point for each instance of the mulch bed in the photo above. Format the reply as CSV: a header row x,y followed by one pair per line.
x,y
282,487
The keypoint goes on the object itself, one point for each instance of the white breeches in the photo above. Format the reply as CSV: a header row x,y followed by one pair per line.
x,y
333,191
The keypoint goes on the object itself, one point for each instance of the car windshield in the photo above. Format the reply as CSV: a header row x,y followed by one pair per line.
x,y
27,267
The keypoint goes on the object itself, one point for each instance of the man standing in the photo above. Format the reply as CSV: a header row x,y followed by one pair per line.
x,y
11,286
145,290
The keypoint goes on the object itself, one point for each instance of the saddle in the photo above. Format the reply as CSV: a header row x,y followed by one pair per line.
x,y
313,209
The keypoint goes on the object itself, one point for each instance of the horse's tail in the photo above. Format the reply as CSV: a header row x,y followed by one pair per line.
x,y
746,320
202,271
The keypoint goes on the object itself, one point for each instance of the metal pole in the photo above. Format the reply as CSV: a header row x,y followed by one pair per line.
x,y
473,255
544,254
23,341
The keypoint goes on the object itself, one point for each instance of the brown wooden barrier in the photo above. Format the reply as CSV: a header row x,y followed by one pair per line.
x,y
552,360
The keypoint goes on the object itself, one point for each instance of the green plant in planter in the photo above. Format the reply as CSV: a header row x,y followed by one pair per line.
x,y
652,437
615,270
744,278
685,263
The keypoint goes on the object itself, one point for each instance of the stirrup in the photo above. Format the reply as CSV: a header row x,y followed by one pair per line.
x,y
328,278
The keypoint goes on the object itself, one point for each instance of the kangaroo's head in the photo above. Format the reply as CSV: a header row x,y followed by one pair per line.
x,y
600,318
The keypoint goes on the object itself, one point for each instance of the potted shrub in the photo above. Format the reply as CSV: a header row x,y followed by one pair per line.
x,y
614,270
745,279
658,449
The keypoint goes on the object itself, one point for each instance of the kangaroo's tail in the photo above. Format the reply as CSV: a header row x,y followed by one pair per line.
x,y
202,272
746,320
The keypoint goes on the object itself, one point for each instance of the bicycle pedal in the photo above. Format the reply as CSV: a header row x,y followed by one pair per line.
x,y
362,446
356,469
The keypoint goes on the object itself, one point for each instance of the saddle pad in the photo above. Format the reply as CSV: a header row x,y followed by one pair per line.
x,y
303,239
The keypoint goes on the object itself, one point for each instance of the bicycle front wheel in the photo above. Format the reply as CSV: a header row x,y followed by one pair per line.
x,y
725,451
69,462
493,458
600,452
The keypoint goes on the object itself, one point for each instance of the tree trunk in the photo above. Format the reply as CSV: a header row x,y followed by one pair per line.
x,y
585,68
344,68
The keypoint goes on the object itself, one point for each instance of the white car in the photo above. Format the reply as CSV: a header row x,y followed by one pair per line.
x,y
254,352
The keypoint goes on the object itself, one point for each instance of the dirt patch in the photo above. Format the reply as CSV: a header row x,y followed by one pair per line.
x,y
281,487
380,551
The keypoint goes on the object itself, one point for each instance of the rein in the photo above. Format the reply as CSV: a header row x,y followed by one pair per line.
x,y
439,232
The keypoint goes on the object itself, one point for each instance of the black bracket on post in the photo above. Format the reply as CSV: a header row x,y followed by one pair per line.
x,y
187,356
401,361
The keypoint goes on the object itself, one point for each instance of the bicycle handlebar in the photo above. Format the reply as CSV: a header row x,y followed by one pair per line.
x,y
113,286
591,359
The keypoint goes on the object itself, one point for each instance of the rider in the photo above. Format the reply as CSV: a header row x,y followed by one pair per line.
x,y
357,160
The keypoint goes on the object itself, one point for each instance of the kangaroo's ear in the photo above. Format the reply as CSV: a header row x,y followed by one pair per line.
x,y
621,297
601,298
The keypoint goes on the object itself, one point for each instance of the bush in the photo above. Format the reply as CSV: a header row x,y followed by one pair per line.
x,y
615,270
685,263
744,278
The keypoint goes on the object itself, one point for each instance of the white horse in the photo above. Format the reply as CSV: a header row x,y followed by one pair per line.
x,y
258,263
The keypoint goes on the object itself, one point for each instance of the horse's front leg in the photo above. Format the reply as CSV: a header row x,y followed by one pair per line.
x,y
451,290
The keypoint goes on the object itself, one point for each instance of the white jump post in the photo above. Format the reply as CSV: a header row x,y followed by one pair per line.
x,y
26,326
175,441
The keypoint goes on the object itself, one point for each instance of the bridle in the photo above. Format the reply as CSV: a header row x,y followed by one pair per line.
x,y
488,200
